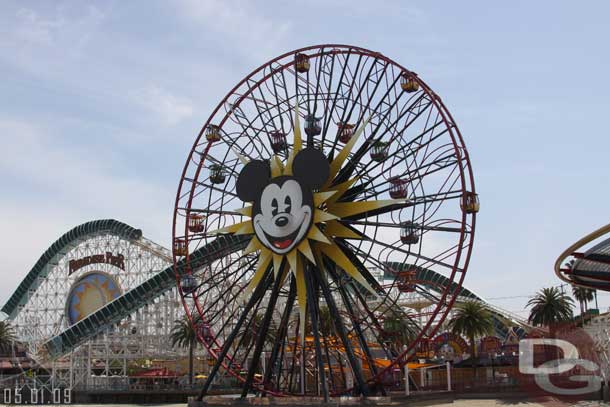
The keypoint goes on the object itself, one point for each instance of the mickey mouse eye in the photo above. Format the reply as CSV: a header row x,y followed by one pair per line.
x,y
274,207
288,203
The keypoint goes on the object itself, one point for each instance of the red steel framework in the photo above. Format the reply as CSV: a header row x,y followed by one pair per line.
x,y
345,81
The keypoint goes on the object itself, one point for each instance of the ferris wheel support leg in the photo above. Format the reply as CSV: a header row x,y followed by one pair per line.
x,y
281,333
357,328
256,296
314,306
372,316
260,340
331,376
357,369
291,373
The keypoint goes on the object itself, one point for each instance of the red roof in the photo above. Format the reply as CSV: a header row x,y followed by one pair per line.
x,y
161,372
4,364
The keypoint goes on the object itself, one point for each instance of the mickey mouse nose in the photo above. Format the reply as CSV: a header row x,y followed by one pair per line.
x,y
281,221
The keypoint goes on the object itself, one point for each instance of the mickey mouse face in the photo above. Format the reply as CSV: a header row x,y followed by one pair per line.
x,y
283,214
282,210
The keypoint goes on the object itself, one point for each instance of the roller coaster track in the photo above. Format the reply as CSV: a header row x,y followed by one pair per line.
x,y
58,249
132,300
433,282
139,296
113,312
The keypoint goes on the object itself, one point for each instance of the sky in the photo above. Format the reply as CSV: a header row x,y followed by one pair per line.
x,y
100,103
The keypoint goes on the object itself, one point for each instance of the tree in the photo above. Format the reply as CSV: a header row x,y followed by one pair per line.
x,y
252,331
183,335
583,296
326,322
472,319
550,307
7,336
398,328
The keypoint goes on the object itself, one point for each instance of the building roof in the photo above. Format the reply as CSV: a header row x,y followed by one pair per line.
x,y
591,267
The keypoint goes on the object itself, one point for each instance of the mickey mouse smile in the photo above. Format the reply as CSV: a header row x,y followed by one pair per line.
x,y
281,242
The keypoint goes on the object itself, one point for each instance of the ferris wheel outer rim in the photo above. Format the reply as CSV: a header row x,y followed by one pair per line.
x,y
440,107
458,145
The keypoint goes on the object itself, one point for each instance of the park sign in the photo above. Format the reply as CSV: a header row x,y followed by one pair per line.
x,y
107,258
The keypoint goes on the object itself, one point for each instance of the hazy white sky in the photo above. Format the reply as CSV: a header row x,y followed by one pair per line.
x,y
100,103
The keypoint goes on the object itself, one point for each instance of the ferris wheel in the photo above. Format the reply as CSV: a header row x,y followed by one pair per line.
x,y
316,176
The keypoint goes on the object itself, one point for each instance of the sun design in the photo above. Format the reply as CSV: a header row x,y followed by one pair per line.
x,y
89,300
90,293
296,214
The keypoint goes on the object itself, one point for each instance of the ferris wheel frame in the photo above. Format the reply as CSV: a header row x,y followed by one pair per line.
x,y
185,197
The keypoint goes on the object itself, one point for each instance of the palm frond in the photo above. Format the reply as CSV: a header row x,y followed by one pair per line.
x,y
549,307
471,319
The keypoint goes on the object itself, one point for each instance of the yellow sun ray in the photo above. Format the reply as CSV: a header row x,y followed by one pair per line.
x,y
277,263
305,248
243,159
277,168
337,229
291,256
315,234
345,209
301,298
322,216
246,211
253,246
320,197
263,262
285,274
298,144
341,189
337,163
340,259
233,228
246,229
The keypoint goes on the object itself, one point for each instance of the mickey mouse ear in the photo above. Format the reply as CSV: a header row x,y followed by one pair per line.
x,y
311,167
252,179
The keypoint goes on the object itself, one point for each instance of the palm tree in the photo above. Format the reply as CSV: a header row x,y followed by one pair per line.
x,y
252,331
549,307
583,296
326,324
472,319
184,335
7,336
589,296
398,329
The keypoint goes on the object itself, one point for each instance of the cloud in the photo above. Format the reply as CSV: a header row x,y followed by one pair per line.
x,y
75,184
169,108
239,22
30,32
27,231
51,188
34,29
